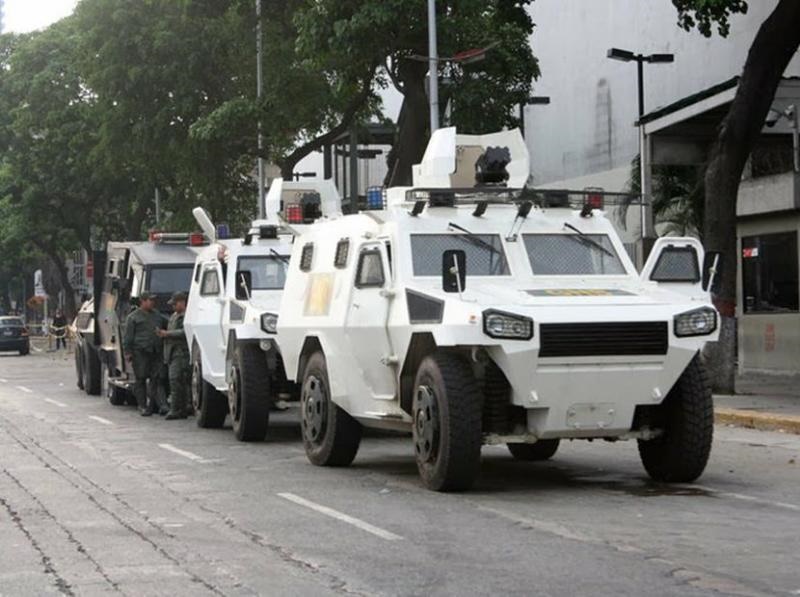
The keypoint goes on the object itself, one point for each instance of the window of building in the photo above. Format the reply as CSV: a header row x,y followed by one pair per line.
x,y
210,283
770,273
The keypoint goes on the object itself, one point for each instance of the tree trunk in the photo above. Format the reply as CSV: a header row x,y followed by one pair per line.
x,y
773,47
412,124
63,276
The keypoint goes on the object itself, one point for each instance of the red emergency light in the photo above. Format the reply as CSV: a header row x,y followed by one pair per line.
x,y
294,214
594,198
196,239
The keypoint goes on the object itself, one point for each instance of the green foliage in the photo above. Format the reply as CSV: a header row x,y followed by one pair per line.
x,y
678,198
704,14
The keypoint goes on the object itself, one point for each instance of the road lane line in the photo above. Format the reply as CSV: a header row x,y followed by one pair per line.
x,y
24,389
364,526
748,498
184,453
100,420
56,402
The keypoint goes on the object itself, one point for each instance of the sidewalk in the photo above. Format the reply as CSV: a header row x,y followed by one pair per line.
x,y
762,401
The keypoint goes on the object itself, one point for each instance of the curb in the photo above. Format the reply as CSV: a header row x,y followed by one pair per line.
x,y
757,420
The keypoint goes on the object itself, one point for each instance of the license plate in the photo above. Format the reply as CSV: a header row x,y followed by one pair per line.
x,y
8,333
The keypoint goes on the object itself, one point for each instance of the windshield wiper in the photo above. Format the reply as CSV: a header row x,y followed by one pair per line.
x,y
475,239
277,255
583,237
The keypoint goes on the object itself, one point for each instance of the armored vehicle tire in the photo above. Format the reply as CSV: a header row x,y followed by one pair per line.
x,y
116,396
209,405
544,449
90,371
446,422
249,393
79,367
330,436
686,418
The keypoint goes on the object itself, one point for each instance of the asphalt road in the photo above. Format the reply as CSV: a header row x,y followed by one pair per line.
x,y
96,500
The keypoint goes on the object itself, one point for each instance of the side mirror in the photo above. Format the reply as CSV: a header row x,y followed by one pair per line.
x,y
244,283
712,272
454,270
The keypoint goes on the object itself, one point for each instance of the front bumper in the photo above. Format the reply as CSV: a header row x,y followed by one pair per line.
x,y
15,344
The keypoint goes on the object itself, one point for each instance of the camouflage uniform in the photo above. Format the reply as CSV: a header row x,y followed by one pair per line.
x,y
145,346
176,357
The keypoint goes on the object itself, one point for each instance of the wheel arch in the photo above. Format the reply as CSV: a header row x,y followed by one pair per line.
x,y
422,344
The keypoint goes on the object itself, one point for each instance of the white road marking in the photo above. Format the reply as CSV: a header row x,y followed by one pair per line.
x,y
24,389
748,498
184,453
56,402
100,420
3,381
364,526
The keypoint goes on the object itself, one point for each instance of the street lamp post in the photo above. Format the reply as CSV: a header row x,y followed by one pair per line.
x,y
433,65
534,100
648,227
259,93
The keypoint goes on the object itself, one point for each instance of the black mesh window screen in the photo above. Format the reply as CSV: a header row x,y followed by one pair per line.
x,y
571,254
770,273
485,254
423,309
677,264
342,251
307,257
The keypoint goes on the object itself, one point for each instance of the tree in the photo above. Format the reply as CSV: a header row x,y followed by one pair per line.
x,y
394,34
775,44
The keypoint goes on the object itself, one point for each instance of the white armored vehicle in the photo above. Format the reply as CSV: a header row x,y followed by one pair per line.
x,y
232,311
471,311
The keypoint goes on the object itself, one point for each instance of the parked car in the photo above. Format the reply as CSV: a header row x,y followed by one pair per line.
x,y
14,336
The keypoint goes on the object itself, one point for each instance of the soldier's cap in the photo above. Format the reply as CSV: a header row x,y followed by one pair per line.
x,y
178,296
146,296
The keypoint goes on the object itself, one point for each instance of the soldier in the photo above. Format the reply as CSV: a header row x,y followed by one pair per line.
x,y
143,348
176,357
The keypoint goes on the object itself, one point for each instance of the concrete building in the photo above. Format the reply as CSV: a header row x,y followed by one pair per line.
x,y
587,137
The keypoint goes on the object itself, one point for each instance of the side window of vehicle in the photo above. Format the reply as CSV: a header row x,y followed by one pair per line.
x,y
369,273
210,284
342,252
307,257
197,269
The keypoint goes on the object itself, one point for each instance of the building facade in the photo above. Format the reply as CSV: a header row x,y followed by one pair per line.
x,y
587,137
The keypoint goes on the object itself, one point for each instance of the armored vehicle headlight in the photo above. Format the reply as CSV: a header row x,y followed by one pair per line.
x,y
269,323
498,324
698,322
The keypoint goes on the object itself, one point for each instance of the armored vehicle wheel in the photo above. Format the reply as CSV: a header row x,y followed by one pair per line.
x,y
330,436
209,405
249,393
447,422
116,396
686,418
91,371
544,449
79,367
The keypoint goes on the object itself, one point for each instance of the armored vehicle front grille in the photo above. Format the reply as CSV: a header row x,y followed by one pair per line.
x,y
603,339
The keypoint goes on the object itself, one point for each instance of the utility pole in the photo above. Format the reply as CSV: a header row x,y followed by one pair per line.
x,y
259,94
433,65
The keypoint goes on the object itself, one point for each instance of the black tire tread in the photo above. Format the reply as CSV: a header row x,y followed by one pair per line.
x,y
213,404
342,437
681,453
255,394
460,468
91,370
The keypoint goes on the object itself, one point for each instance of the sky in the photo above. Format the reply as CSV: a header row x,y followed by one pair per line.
x,y
27,15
